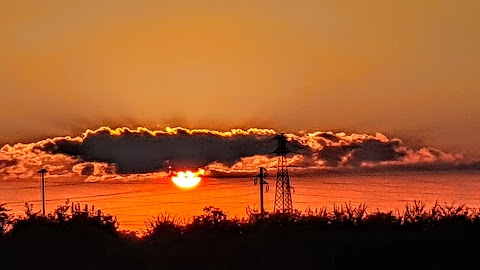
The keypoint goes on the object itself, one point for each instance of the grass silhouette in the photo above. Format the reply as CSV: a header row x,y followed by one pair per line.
x,y
346,237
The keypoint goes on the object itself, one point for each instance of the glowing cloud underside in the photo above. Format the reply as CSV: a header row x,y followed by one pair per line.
x,y
123,153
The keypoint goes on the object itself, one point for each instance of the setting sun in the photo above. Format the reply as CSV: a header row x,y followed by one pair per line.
x,y
187,179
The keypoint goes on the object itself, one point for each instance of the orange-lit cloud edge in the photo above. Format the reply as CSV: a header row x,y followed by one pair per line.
x,y
237,152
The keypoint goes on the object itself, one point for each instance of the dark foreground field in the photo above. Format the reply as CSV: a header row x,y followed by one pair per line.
x,y
345,238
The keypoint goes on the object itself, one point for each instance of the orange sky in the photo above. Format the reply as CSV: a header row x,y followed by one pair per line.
x,y
407,68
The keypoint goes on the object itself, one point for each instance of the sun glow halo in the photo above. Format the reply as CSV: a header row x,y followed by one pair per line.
x,y
187,179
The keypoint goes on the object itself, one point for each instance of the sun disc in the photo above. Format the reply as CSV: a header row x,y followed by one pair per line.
x,y
187,179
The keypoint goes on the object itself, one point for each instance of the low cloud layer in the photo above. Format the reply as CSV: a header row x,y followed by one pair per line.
x,y
124,153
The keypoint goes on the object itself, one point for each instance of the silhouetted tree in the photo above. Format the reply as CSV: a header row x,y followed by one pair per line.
x,y
6,219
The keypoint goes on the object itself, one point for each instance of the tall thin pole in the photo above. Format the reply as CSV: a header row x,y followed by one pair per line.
x,y
260,178
262,209
42,173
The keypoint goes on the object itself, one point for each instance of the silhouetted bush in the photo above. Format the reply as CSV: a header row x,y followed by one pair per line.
x,y
215,220
345,237
61,218
163,228
382,219
6,219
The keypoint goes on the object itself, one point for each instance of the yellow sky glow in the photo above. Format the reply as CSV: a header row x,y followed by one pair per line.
x,y
403,67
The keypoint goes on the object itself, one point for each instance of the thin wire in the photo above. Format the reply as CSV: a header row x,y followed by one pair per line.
x,y
38,187
154,189
212,183
83,197
176,202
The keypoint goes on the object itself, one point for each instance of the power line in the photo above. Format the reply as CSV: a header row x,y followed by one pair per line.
x,y
177,202
112,183
153,189
46,185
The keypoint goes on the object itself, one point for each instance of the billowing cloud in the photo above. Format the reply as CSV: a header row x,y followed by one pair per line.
x,y
124,153
143,151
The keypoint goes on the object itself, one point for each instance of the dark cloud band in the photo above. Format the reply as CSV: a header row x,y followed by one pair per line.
x,y
144,152
125,151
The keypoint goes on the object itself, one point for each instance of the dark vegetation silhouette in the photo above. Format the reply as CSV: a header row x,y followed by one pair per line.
x,y
345,237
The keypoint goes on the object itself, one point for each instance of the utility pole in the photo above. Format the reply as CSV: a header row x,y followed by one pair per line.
x,y
283,195
42,172
260,179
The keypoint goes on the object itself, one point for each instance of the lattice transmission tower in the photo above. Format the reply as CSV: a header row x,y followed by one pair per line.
x,y
283,195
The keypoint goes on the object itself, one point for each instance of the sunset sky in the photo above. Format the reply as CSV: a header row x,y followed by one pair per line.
x,y
407,69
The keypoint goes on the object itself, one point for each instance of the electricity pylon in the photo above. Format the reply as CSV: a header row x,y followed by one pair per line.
x,y
283,195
